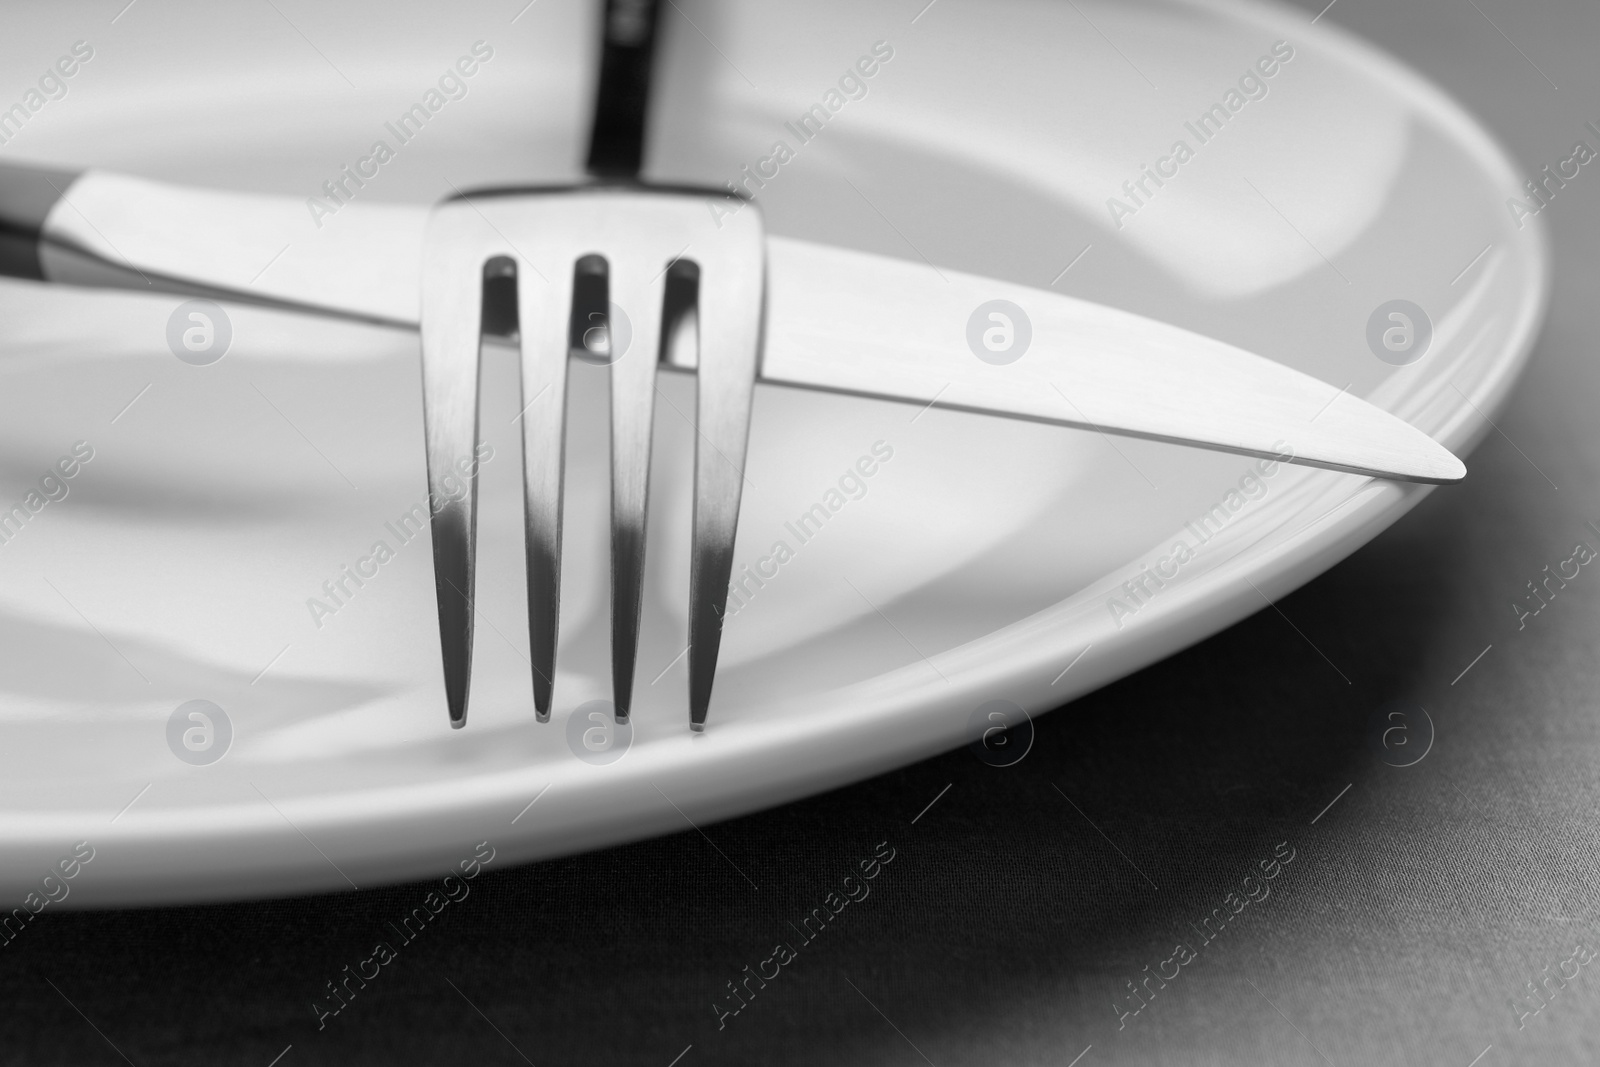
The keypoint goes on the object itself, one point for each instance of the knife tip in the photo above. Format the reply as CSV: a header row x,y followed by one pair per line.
x,y
1437,465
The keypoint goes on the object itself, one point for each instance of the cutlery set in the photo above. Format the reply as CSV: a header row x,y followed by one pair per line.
x,y
705,291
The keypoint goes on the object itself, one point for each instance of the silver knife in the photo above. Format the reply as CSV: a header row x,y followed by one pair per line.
x,y
837,320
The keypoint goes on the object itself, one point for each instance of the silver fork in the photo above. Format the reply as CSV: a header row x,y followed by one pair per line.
x,y
591,246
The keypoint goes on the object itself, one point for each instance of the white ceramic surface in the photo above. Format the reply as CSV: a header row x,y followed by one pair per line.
x,y
981,561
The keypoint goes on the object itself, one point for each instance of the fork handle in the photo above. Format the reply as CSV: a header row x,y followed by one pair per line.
x,y
616,140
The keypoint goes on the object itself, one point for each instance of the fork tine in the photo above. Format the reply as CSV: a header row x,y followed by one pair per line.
x,y
545,311
451,338
730,302
633,394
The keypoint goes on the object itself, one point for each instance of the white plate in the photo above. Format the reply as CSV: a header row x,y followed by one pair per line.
x,y
983,559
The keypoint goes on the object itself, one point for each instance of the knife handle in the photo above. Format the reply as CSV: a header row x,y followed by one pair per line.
x,y
27,193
